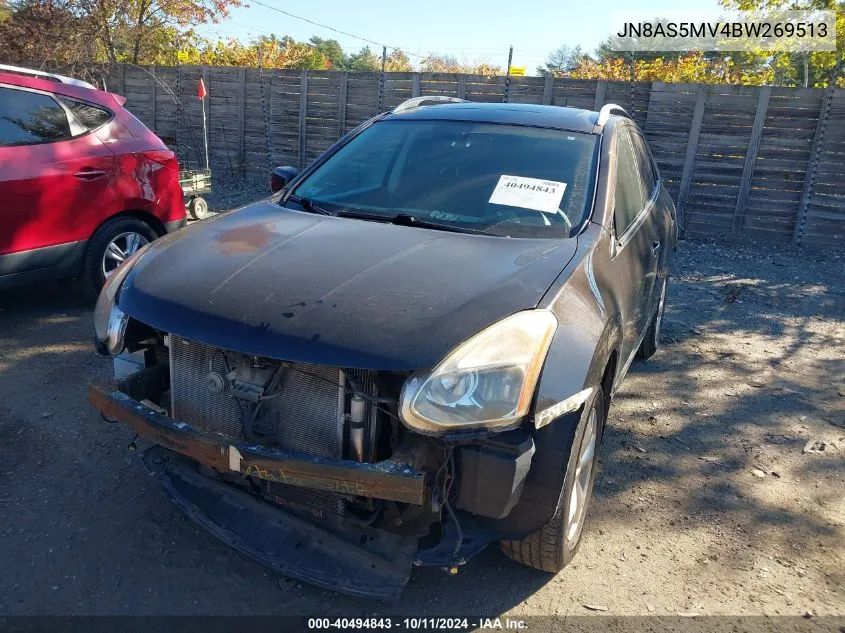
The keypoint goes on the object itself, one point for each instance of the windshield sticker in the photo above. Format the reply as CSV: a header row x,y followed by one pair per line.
x,y
528,193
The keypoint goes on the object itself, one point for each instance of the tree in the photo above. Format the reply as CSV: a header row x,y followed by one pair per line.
x,y
486,69
398,62
688,68
818,69
266,51
363,60
45,32
332,50
440,64
561,61
137,31
448,64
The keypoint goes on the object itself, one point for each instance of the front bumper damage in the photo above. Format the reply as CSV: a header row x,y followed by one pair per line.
x,y
383,480
334,554
352,559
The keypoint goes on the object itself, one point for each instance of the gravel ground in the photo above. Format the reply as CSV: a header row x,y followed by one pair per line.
x,y
232,194
720,490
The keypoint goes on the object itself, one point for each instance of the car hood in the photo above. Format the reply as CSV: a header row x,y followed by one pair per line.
x,y
285,284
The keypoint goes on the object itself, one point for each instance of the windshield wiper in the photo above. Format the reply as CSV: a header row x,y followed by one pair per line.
x,y
309,205
406,219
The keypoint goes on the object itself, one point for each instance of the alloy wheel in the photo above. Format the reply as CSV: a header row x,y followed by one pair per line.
x,y
121,247
578,496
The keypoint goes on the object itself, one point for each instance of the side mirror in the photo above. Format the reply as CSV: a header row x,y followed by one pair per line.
x,y
280,177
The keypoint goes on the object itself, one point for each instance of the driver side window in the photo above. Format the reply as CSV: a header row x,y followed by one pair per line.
x,y
629,198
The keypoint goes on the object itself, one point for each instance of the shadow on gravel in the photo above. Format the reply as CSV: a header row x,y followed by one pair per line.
x,y
749,370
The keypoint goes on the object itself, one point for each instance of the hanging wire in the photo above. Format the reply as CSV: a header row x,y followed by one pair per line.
x,y
331,28
180,109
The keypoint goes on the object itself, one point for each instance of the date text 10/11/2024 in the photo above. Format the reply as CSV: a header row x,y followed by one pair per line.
x,y
417,624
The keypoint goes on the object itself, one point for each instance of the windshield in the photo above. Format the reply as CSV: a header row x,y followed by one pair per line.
x,y
500,179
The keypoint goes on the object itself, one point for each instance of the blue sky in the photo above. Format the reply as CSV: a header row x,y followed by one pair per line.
x,y
470,31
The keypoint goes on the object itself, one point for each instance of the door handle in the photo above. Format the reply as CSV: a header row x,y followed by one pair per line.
x,y
655,247
90,174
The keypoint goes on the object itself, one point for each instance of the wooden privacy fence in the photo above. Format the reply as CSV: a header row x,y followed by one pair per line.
x,y
762,162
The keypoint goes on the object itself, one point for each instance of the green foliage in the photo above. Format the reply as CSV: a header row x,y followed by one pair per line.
x,y
815,70
449,64
331,50
137,31
265,51
754,68
363,60
562,60
398,62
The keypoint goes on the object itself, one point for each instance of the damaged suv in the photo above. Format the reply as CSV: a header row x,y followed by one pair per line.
x,y
408,352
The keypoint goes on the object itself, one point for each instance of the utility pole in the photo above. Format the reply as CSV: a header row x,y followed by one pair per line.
x,y
806,69
510,59
383,57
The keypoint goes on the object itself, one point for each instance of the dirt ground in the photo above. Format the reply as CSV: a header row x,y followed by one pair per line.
x,y
720,492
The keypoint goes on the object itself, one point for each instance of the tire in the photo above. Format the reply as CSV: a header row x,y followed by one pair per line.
x,y
554,545
651,341
121,230
198,209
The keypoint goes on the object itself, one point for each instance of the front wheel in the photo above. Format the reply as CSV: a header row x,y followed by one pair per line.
x,y
555,544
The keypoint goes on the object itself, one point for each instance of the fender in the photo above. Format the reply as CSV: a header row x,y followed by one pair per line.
x,y
587,339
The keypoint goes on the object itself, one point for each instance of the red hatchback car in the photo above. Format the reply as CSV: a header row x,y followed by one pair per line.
x,y
83,183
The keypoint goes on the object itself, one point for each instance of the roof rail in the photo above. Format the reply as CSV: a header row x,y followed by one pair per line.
x,y
418,102
40,74
609,109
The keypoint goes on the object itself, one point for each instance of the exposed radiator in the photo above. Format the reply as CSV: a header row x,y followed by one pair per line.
x,y
304,417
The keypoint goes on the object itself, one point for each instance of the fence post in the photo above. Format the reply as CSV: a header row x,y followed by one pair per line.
x,y
341,105
812,164
415,85
207,115
303,115
462,86
692,151
242,120
648,108
751,159
548,89
121,86
601,90
179,134
154,92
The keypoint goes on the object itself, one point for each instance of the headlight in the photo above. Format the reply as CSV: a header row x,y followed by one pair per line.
x,y
109,321
486,382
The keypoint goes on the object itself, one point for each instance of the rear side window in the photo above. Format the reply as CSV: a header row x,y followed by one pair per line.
x,y
629,198
647,170
27,118
90,116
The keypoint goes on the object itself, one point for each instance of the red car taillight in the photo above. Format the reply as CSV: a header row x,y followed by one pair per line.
x,y
163,157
